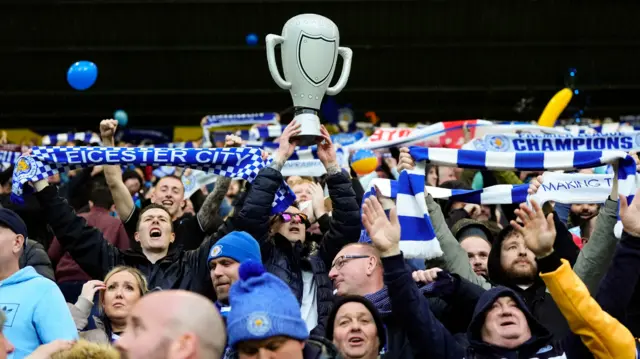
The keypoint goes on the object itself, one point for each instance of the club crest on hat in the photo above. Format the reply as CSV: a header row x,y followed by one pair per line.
x,y
215,251
498,143
258,323
26,167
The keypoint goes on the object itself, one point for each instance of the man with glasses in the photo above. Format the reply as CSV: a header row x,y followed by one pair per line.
x,y
357,270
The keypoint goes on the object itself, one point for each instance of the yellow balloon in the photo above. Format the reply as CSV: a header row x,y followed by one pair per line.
x,y
555,107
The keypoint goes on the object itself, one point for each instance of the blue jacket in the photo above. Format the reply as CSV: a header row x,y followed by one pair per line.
x,y
429,338
36,312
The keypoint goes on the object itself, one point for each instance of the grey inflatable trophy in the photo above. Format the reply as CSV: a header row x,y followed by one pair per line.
x,y
310,45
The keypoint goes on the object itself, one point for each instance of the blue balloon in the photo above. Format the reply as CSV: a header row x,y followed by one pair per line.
x,y
82,75
252,39
122,117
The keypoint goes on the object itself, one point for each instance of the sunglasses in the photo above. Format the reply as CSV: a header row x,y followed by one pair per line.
x,y
296,217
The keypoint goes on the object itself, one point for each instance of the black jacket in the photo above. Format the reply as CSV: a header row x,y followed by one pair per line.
x,y
180,269
287,261
35,256
429,339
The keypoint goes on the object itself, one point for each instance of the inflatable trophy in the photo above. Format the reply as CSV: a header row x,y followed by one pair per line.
x,y
310,45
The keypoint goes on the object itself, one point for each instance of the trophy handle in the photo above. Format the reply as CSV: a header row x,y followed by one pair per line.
x,y
271,42
346,54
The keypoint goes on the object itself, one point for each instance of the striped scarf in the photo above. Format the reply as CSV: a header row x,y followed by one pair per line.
x,y
417,234
242,163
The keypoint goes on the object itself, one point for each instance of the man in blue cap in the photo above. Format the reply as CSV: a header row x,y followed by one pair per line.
x,y
36,312
224,260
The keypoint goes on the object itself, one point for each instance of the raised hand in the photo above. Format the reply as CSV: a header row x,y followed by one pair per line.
x,y
384,233
426,276
90,288
534,185
630,214
317,200
232,141
326,150
108,131
405,161
539,233
287,146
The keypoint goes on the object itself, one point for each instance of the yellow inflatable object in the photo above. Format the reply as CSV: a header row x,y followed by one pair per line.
x,y
555,107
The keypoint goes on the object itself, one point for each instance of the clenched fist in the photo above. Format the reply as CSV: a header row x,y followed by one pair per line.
x,y
107,131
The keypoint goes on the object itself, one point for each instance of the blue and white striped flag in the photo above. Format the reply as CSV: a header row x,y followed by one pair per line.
x,y
409,190
54,139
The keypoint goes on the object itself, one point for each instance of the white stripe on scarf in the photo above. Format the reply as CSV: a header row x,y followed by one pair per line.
x,y
87,137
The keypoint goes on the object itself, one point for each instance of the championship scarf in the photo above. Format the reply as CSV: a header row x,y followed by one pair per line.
x,y
87,137
417,234
243,163
624,141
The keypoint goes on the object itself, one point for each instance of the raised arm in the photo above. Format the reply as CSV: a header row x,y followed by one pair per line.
x,y
455,258
113,174
603,335
211,206
85,244
344,225
255,214
428,337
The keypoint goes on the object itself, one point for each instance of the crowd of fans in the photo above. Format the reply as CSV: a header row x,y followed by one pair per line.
x,y
107,262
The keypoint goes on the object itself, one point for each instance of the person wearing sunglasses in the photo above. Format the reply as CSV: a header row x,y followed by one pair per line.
x,y
286,250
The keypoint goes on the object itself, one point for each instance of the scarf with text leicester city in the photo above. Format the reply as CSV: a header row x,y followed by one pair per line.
x,y
241,163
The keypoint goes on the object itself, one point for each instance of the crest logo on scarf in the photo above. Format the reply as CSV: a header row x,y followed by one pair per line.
x,y
498,143
189,182
26,166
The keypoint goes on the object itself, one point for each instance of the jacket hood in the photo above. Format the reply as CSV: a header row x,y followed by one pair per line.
x,y
539,334
23,275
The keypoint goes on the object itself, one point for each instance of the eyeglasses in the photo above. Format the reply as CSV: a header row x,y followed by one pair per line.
x,y
296,217
342,260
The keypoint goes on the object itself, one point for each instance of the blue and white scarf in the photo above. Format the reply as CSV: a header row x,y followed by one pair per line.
x,y
240,119
87,137
8,158
624,141
417,230
244,163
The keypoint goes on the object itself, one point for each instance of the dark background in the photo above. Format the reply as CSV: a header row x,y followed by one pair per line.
x,y
169,63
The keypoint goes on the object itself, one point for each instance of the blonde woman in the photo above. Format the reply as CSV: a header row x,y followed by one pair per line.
x,y
122,288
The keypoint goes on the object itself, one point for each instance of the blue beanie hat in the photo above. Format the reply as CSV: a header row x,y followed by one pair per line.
x,y
239,246
263,307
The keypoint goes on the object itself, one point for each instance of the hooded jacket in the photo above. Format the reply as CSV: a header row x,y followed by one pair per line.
x,y
536,298
36,312
288,261
540,345
429,338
